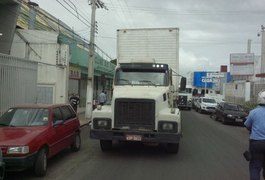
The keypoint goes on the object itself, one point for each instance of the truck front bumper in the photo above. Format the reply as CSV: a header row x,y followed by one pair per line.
x,y
145,136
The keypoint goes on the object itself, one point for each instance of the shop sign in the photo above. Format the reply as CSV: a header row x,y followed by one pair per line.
x,y
74,73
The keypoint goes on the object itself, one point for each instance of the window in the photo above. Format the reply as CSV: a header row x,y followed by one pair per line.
x,y
143,77
56,115
73,114
25,117
206,100
66,113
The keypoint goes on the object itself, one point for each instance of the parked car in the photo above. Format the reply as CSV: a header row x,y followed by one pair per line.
x,y
2,166
230,113
205,104
193,102
32,134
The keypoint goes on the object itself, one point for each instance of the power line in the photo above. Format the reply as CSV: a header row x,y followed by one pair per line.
x,y
75,9
130,13
85,23
118,16
123,12
24,16
193,11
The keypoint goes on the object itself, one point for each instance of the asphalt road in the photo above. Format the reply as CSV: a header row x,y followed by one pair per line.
x,y
209,150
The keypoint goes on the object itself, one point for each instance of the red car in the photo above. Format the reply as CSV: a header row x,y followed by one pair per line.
x,y
29,135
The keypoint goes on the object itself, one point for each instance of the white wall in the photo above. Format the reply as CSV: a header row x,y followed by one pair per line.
x,y
237,92
42,47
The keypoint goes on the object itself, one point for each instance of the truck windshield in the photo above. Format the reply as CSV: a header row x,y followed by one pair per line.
x,y
143,77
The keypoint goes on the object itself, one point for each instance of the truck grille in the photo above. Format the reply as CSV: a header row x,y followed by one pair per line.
x,y
182,100
135,113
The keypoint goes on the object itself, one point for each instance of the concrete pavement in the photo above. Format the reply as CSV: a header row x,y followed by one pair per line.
x,y
81,115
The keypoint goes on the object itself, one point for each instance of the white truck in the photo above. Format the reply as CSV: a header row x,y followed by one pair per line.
x,y
184,100
143,91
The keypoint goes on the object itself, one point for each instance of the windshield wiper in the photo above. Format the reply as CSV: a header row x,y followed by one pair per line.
x,y
126,80
147,81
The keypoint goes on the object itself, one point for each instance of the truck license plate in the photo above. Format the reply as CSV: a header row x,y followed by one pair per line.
x,y
133,137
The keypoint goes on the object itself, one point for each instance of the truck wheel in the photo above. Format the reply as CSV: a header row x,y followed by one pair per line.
x,y
200,110
189,108
76,145
173,148
40,166
196,109
105,145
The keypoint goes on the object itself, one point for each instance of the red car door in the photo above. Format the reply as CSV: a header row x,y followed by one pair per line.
x,y
70,122
58,132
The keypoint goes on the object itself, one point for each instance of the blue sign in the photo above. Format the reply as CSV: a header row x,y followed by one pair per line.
x,y
200,80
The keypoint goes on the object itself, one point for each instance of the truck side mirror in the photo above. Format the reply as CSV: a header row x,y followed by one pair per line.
x,y
183,84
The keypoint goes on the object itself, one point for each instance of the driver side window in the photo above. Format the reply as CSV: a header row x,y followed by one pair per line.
x,y
56,115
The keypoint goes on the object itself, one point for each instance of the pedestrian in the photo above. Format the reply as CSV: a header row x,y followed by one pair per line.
x,y
74,101
102,98
255,123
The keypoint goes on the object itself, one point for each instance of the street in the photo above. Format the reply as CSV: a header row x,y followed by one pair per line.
x,y
209,150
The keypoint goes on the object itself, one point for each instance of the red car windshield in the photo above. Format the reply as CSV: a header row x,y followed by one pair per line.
x,y
25,117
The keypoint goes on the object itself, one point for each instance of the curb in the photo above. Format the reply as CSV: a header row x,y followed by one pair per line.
x,y
85,124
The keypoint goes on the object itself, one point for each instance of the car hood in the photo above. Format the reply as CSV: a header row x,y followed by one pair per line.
x,y
19,135
236,113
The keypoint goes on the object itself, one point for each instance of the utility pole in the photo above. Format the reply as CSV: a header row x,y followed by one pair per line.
x,y
91,60
262,49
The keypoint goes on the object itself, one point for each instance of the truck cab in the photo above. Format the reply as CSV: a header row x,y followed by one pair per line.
x,y
141,108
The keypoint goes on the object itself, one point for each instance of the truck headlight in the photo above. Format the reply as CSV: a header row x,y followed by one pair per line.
x,y
18,150
102,123
167,126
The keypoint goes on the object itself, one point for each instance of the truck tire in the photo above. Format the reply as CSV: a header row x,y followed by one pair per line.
x,y
105,145
200,110
40,165
173,148
76,145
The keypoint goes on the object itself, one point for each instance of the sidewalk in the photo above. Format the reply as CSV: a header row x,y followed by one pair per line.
x,y
81,115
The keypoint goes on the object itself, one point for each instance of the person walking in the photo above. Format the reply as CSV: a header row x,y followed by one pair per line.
x,y
74,101
102,98
255,123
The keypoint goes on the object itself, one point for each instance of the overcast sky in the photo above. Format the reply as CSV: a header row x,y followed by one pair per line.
x,y
209,29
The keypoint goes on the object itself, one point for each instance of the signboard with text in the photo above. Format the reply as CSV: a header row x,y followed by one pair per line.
x,y
215,75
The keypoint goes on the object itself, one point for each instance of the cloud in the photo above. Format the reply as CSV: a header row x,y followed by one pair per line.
x,y
189,62
209,30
